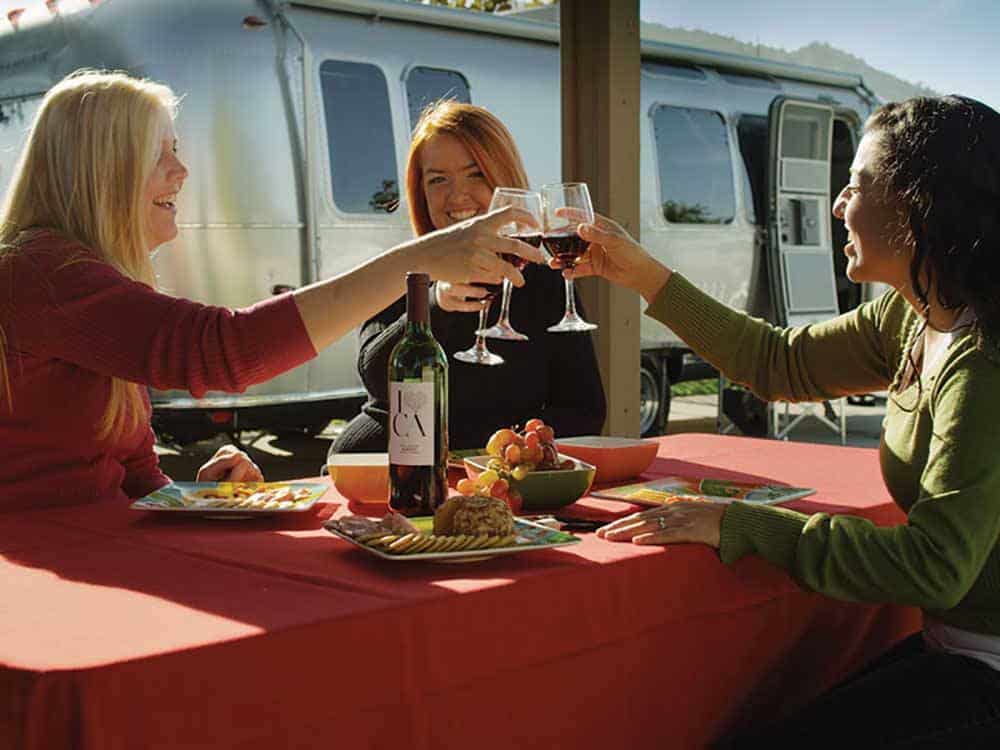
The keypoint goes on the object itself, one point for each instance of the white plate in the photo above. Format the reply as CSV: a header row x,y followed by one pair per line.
x,y
529,536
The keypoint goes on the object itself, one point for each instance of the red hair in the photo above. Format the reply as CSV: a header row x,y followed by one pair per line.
x,y
486,138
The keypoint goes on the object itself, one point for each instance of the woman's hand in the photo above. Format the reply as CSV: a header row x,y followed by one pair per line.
x,y
614,255
469,250
229,464
463,253
681,521
459,297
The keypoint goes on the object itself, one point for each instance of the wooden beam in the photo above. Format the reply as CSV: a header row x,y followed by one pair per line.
x,y
600,146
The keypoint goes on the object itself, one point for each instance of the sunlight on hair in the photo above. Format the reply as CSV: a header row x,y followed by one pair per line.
x,y
92,146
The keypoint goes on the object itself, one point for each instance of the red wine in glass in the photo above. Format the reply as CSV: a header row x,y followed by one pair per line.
x,y
566,247
492,291
533,238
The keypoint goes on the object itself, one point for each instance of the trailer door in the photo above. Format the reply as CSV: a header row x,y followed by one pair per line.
x,y
800,259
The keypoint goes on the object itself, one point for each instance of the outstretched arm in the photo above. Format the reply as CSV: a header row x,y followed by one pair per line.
x,y
462,253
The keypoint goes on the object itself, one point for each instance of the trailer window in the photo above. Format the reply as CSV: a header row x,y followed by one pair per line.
x,y
359,136
428,85
696,176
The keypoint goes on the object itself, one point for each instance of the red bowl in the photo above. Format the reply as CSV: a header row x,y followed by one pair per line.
x,y
616,458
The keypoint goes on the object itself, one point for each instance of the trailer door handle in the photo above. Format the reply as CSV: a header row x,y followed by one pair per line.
x,y
282,288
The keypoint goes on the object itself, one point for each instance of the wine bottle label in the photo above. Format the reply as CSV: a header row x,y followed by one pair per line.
x,y
411,423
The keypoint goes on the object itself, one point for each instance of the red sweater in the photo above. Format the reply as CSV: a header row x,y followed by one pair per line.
x,y
72,322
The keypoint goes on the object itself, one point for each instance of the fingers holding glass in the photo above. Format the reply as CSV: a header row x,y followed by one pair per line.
x,y
479,353
564,207
525,226
459,297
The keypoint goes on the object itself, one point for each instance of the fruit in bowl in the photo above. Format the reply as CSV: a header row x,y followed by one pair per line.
x,y
525,469
539,489
519,453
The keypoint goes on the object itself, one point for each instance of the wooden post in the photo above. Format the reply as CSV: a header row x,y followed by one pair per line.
x,y
600,146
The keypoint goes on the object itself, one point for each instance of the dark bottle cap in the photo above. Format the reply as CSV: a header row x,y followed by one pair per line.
x,y
417,306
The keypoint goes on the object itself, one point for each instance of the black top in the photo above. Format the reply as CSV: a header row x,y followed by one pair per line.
x,y
554,376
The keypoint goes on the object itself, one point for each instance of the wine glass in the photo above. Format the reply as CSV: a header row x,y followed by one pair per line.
x,y
478,353
530,202
564,243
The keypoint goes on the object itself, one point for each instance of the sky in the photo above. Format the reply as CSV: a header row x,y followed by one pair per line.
x,y
952,46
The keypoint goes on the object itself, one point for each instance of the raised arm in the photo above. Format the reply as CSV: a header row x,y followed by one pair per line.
x,y
461,253
849,354
937,558
68,304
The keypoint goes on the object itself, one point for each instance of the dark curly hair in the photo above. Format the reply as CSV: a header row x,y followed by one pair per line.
x,y
938,161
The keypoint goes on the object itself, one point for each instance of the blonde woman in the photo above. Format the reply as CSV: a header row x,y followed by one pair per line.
x,y
83,330
458,154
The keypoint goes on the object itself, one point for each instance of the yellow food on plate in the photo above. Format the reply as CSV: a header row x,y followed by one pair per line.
x,y
474,515
251,495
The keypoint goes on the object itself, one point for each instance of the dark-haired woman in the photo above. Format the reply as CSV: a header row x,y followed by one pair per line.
x,y
922,212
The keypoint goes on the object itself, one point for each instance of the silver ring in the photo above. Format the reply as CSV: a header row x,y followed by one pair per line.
x,y
662,521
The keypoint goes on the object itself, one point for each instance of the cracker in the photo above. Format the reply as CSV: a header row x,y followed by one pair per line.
x,y
403,543
438,544
502,541
451,543
423,542
445,513
478,542
381,540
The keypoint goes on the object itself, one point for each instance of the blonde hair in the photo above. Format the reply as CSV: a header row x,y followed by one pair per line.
x,y
90,151
486,138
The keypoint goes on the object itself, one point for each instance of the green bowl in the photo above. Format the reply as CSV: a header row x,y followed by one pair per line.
x,y
543,490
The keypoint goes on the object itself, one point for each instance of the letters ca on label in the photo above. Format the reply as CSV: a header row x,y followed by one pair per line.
x,y
407,421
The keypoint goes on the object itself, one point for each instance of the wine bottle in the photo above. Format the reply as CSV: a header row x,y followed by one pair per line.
x,y
418,410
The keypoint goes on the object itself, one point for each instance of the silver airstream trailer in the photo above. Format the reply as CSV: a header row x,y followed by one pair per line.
x,y
295,124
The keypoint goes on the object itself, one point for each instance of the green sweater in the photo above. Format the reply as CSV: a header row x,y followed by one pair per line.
x,y
939,454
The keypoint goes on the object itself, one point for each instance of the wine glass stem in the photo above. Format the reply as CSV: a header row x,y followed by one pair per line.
x,y
481,340
505,304
570,299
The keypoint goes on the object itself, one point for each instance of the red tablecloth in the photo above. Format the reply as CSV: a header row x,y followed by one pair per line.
x,y
126,629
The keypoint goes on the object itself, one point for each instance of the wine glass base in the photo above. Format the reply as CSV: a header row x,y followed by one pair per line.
x,y
503,332
478,357
571,325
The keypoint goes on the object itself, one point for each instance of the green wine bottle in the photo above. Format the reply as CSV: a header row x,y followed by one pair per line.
x,y
418,410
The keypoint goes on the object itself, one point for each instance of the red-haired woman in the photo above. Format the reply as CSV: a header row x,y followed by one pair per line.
x,y
459,153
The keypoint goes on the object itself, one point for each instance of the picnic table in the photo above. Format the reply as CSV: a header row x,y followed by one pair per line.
x,y
125,629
